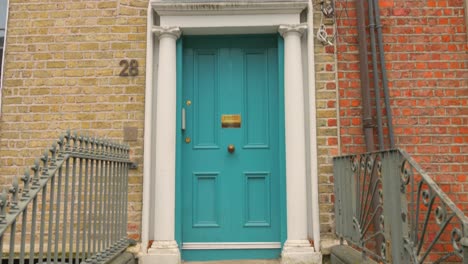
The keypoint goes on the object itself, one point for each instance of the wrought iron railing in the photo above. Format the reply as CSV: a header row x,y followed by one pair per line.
x,y
390,209
74,207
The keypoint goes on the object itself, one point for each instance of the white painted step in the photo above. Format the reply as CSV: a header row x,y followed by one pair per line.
x,y
256,261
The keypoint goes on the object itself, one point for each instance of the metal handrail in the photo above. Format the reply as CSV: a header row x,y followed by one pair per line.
x,y
417,220
98,194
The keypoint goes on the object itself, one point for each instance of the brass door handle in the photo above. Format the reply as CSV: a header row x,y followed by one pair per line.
x,y
231,148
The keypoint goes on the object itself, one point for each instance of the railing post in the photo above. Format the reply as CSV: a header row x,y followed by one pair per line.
x,y
72,210
86,194
79,204
394,212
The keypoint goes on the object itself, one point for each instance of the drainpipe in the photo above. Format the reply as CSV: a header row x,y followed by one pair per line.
x,y
364,77
388,109
366,100
466,15
375,75
313,131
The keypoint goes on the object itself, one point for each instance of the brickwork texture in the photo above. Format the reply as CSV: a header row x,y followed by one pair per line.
x,y
327,121
425,46
62,72
63,63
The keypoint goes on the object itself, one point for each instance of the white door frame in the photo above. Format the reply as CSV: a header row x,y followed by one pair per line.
x,y
166,21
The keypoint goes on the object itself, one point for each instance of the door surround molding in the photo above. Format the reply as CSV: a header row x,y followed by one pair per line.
x,y
201,19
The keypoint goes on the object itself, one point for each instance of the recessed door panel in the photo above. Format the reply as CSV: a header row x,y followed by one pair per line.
x,y
205,200
206,98
256,99
257,199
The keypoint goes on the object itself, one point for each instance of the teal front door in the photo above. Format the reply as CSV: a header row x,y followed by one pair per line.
x,y
231,162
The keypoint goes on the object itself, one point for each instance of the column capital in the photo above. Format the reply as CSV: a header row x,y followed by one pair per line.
x,y
285,29
167,31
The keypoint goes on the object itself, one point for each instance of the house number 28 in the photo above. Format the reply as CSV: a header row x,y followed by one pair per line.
x,y
130,68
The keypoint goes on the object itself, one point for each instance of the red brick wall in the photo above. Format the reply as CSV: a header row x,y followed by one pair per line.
x,y
425,44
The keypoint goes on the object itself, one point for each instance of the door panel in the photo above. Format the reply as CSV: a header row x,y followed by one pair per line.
x,y
256,100
206,96
230,197
205,200
257,210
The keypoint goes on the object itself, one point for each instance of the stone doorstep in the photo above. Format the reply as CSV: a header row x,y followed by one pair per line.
x,y
124,258
327,245
347,255
258,261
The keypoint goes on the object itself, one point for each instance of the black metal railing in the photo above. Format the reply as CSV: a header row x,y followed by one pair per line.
x,y
73,209
390,209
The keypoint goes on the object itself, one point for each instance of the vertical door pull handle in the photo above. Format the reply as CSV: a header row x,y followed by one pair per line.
x,y
183,119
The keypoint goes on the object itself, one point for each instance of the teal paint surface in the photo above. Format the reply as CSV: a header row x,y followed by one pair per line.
x,y
282,146
179,140
223,197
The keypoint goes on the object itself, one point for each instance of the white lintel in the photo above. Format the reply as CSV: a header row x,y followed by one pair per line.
x,y
229,24
227,8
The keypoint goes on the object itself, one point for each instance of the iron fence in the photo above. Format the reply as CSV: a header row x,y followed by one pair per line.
x,y
71,206
390,209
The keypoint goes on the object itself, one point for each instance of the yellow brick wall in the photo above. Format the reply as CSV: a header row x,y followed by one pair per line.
x,y
327,124
62,72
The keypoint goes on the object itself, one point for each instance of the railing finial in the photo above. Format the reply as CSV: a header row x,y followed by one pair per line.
x,y
98,149
105,143
45,159
92,142
14,191
113,149
35,168
121,150
53,152
75,138
86,142
67,140
60,143
80,139
26,178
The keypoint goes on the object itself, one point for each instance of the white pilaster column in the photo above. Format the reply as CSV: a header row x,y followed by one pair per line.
x,y
297,248
164,249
